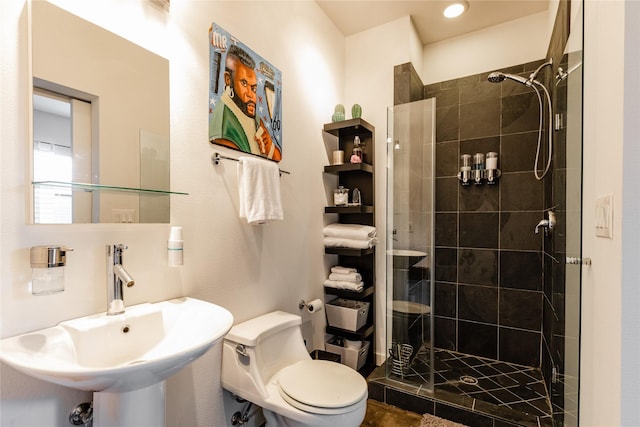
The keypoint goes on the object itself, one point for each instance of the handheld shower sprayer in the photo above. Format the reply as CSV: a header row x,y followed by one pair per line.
x,y
499,77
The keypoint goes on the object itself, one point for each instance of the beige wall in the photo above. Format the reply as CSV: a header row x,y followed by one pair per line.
x,y
248,270
600,387
514,42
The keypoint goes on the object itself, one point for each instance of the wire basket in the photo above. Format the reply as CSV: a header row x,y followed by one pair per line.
x,y
400,358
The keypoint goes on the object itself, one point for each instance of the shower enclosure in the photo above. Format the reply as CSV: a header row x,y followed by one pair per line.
x,y
464,305
483,305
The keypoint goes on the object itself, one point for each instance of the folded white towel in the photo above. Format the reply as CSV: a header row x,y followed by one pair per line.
x,y
338,242
351,277
343,270
259,188
344,285
350,231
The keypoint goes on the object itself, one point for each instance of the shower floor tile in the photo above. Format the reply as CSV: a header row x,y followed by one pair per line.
x,y
497,387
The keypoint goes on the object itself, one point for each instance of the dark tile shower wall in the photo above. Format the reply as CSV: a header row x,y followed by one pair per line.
x,y
488,274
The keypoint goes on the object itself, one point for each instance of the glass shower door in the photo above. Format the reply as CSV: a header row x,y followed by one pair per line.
x,y
567,185
409,258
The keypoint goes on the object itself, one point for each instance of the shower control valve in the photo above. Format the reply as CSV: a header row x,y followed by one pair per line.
x,y
547,224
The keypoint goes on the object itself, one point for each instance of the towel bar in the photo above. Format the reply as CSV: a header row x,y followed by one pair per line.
x,y
215,159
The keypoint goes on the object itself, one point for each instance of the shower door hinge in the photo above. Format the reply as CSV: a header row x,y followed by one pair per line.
x,y
578,261
558,123
554,375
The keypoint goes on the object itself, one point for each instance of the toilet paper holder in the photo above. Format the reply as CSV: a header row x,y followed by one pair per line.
x,y
312,307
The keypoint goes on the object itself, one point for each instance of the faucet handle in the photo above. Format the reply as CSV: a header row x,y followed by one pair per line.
x,y
117,248
547,224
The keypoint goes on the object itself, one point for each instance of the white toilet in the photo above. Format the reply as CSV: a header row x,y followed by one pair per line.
x,y
265,361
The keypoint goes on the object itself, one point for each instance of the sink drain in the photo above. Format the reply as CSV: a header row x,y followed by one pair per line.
x,y
468,379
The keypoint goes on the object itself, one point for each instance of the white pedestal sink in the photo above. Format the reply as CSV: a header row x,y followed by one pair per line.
x,y
124,359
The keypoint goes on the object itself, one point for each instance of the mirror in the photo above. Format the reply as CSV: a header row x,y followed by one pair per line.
x,y
100,124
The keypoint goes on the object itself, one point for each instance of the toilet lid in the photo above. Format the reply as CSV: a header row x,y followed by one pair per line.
x,y
320,386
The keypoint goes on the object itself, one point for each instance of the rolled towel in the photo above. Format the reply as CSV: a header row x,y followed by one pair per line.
x,y
338,242
344,285
350,231
343,270
351,277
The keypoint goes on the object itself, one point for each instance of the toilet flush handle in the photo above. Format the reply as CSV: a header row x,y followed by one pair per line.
x,y
241,350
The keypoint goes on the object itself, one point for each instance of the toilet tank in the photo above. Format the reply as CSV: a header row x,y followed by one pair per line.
x,y
269,342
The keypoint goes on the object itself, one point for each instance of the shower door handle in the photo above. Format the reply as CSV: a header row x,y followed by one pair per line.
x,y
578,261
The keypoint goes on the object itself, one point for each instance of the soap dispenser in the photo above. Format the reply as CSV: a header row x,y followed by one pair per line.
x,y
47,264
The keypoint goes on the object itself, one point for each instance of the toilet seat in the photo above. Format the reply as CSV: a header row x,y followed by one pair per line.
x,y
321,387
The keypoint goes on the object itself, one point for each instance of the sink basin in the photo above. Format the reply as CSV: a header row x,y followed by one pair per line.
x,y
405,258
121,353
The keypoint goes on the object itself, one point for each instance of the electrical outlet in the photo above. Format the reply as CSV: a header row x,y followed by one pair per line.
x,y
604,216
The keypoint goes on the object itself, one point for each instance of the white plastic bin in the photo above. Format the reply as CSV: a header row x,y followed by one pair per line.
x,y
347,314
353,357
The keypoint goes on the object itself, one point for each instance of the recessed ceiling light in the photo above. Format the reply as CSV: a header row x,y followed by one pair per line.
x,y
455,9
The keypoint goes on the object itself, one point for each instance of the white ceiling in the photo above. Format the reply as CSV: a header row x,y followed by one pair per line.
x,y
354,16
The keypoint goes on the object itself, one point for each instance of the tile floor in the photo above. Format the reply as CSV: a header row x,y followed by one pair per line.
x,y
506,391
505,385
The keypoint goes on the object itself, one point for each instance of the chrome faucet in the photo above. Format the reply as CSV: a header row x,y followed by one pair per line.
x,y
116,277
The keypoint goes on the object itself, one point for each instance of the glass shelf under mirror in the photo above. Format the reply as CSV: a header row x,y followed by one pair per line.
x,y
100,187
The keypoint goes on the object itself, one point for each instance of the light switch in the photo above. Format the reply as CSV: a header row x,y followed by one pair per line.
x,y
604,216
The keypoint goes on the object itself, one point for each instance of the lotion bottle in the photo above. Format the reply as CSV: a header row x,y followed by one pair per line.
x,y
175,247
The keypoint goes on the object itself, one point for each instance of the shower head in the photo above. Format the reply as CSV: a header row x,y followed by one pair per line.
x,y
498,77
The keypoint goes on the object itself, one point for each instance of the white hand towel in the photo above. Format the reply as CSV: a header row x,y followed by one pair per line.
x,y
350,231
338,242
351,277
343,270
344,285
259,188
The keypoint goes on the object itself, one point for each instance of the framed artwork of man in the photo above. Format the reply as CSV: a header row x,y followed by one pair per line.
x,y
245,97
